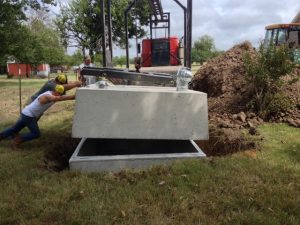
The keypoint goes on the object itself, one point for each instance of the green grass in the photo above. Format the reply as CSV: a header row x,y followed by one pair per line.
x,y
235,189
284,144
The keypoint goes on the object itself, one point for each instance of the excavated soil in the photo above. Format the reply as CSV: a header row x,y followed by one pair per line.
x,y
224,141
224,80
58,153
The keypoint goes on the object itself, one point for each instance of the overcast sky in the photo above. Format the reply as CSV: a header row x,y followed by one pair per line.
x,y
228,22
233,21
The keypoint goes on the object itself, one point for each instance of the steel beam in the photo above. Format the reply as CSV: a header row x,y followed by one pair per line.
x,y
103,33
109,28
151,79
156,7
185,32
126,31
189,33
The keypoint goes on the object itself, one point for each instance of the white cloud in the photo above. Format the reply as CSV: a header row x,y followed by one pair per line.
x,y
229,21
233,21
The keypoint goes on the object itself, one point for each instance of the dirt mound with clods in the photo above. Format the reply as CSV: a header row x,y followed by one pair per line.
x,y
224,141
293,90
224,80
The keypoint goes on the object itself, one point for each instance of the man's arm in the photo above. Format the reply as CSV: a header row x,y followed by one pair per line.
x,y
51,98
72,85
62,98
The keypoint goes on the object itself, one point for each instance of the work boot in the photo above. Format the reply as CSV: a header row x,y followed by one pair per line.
x,y
16,141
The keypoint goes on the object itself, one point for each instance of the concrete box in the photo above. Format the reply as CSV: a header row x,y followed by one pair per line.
x,y
137,112
95,155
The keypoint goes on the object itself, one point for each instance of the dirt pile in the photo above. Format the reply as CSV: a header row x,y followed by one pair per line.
x,y
225,141
224,80
293,91
223,74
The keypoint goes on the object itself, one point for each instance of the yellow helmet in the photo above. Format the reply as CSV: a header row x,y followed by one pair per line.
x,y
59,89
62,78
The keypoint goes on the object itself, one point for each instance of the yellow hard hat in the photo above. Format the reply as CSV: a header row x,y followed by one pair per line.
x,y
62,78
59,89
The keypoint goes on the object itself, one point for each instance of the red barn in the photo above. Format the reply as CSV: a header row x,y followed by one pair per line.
x,y
15,69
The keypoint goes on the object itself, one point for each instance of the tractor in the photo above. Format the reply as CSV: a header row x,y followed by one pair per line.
x,y
284,34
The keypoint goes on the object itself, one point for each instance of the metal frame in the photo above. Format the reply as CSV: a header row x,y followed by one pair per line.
x,y
185,32
96,163
125,161
164,19
156,6
109,26
126,30
130,76
103,33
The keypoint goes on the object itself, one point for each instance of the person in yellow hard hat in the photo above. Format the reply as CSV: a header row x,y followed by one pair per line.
x,y
30,115
61,79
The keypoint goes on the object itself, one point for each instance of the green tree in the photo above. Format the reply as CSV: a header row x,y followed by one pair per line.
x,y
119,60
48,44
13,33
74,59
204,49
11,17
35,44
26,47
71,23
97,59
79,23
265,74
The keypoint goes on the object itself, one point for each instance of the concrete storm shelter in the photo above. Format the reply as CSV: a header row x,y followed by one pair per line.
x,y
136,126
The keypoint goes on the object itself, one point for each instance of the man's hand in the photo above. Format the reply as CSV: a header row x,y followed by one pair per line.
x,y
80,84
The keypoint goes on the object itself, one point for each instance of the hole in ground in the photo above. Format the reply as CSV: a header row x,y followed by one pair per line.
x,y
57,155
221,142
224,141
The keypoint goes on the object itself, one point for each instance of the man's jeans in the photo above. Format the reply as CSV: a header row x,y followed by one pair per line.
x,y
23,121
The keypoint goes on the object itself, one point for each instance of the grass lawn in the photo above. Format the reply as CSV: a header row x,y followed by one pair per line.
x,y
252,188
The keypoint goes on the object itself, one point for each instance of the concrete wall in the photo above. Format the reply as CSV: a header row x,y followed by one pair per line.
x,y
134,112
